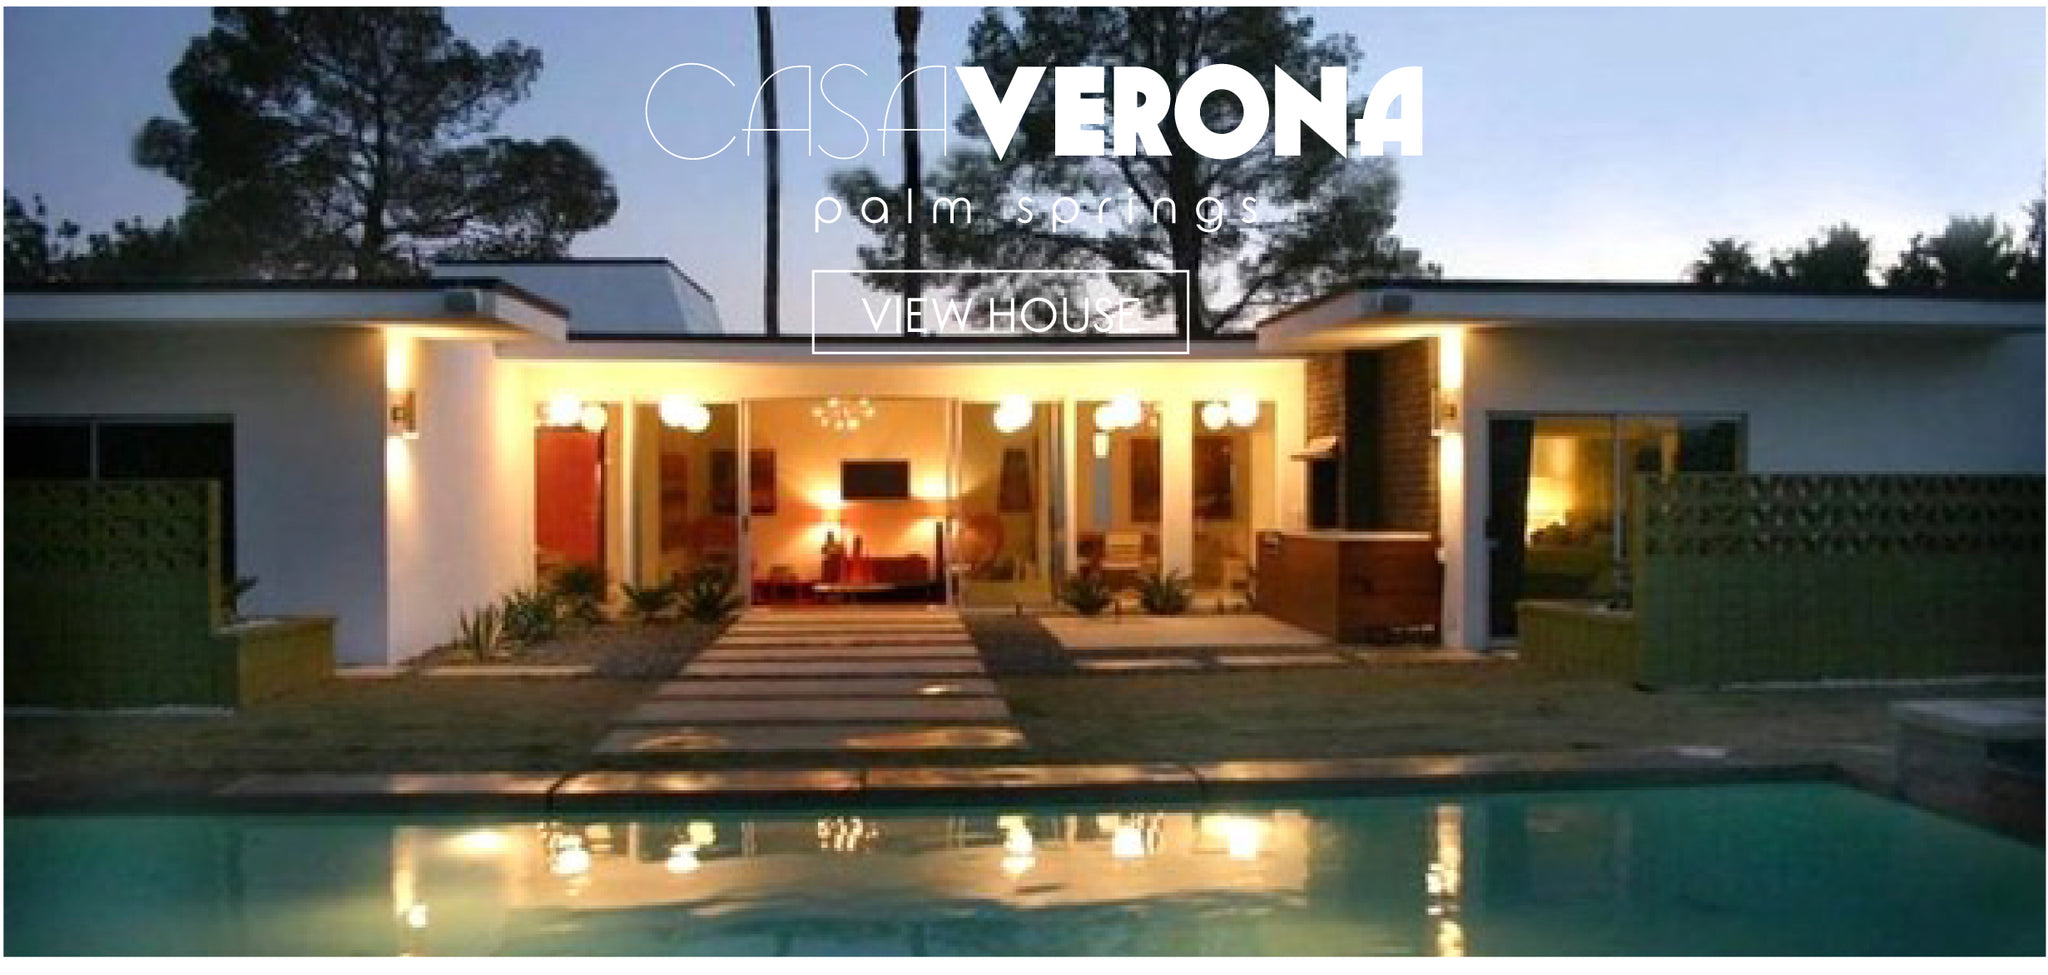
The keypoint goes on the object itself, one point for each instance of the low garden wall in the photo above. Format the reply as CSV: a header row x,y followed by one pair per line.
x,y
1782,577
114,600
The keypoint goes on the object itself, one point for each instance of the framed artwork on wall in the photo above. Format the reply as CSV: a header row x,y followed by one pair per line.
x,y
725,479
1215,483
1145,479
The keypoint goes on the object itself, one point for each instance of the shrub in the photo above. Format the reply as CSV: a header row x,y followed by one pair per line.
x,y
1166,593
1085,593
531,616
481,633
582,589
707,595
649,602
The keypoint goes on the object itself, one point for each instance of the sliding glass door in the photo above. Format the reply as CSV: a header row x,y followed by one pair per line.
x,y
1558,496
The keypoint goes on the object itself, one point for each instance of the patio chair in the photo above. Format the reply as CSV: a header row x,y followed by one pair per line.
x,y
1123,554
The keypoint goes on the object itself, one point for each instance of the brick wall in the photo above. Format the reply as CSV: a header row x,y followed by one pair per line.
x,y
1407,451
1324,391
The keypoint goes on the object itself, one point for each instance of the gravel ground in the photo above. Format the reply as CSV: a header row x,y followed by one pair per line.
x,y
629,651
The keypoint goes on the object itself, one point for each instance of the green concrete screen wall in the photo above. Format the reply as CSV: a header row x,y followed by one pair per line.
x,y
1793,577
113,600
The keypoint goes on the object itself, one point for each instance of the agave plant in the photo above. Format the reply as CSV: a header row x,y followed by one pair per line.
x,y
531,616
707,596
1086,593
481,633
581,588
649,602
1166,593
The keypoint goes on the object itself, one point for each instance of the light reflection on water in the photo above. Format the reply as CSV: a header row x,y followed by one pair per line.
x,y
1764,869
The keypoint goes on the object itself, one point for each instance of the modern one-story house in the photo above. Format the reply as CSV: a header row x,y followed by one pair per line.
x,y
1409,458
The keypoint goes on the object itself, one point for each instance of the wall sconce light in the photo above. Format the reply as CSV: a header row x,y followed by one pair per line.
x,y
594,418
402,414
684,413
1447,416
1215,415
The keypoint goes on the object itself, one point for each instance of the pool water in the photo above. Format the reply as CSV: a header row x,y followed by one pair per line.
x,y
1751,869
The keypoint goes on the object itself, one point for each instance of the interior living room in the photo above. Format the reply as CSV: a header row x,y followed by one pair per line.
x,y
977,485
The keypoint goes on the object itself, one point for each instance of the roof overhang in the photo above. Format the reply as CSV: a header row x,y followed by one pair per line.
x,y
797,349
480,309
1394,313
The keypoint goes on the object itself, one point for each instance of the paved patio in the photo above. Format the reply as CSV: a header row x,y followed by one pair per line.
x,y
876,681
1081,634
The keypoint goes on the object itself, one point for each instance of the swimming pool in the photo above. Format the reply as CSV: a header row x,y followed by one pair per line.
x,y
1753,869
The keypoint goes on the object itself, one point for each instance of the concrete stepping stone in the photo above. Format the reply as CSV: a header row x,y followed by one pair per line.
x,y
841,639
1137,664
698,740
927,710
841,687
904,667
1280,660
836,653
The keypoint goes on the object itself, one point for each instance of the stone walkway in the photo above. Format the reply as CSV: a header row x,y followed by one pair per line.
x,y
842,680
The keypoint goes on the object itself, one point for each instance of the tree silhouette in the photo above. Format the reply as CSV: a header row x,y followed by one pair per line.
x,y
1325,220
771,257
1837,260
1973,254
908,19
1728,261
328,142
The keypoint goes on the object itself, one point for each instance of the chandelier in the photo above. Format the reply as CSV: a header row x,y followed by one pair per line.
x,y
841,415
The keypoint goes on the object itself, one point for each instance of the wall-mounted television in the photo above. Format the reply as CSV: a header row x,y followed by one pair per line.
x,y
874,480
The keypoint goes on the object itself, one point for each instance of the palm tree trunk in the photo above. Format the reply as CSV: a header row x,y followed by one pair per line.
x,y
907,21
771,259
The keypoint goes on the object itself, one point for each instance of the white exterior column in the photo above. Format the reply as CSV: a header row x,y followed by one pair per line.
x,y
1069,540
1177,485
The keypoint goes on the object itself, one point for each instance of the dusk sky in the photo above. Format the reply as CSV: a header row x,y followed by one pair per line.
x,y
1584,144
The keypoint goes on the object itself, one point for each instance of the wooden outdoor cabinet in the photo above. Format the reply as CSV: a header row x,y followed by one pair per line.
x,y
1354,587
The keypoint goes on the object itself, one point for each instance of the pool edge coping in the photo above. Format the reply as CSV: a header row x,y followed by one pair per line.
x,y
604,790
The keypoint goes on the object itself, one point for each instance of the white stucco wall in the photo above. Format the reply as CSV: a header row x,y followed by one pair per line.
x,y
308,408
459,496
1812,403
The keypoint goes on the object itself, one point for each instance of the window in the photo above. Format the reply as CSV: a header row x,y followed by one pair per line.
x,y
1558,495
130,448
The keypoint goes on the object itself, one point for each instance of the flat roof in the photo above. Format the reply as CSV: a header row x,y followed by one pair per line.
x,y
1395,311
482,308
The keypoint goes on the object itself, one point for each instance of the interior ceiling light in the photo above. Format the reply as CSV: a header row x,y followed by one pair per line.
x,y
843,414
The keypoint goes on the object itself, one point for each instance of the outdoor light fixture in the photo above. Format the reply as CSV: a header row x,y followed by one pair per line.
x,y
684,413
562,410
593,418
402,413
682,858
843,415
1446,418
1127,842
567,856
1243,409
1013,413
